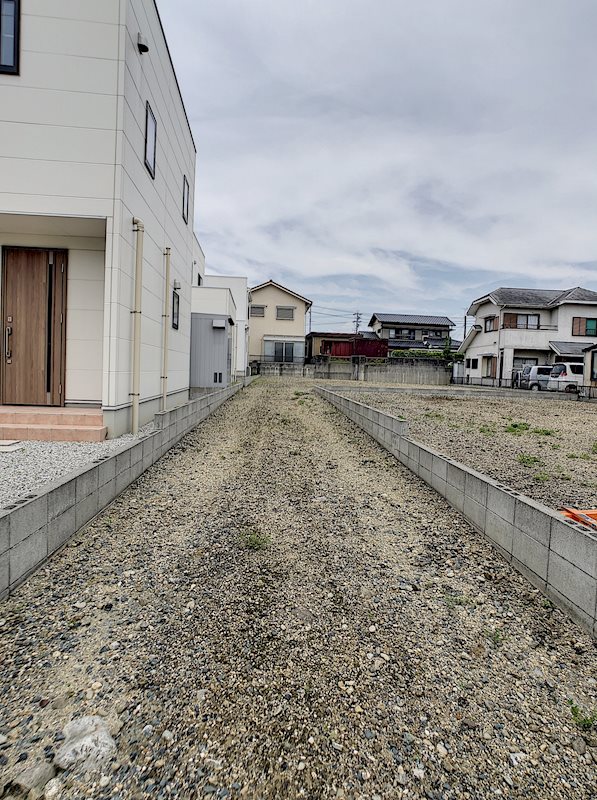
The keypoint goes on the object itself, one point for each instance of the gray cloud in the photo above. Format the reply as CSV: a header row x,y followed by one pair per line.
x,y
392,155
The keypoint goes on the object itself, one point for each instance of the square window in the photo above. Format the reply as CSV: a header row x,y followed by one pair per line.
x,y
175,310
258,311
150,140
185,200
285,312
9,36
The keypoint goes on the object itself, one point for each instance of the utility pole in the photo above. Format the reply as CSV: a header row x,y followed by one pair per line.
x,y
357,320
464,337
309,319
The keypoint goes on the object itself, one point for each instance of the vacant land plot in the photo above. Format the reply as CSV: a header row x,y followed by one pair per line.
x,y
279,610
544,449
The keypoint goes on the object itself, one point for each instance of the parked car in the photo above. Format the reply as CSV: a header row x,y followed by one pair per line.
x,y
565,377
535,377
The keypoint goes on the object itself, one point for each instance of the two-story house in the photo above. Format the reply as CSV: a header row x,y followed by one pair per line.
x,y
97,175
412,331
277,325
515,327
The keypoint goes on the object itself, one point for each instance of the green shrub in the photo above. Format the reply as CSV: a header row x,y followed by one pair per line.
x,y
527,460
517,427
543,432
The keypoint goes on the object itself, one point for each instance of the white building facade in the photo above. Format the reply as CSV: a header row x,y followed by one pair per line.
x,y
516,327
94,137
239,289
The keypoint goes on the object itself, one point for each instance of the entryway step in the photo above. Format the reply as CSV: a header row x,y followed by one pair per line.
x,y
53,433
25,415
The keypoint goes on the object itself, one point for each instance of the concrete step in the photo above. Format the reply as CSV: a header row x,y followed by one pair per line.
x,y
35,415
53,433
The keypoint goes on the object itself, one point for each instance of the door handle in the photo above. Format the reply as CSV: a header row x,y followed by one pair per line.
x,y
7,335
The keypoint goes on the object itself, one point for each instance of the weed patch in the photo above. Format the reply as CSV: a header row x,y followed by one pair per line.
x,y
541,477
517,428
585,720
254,540
527,460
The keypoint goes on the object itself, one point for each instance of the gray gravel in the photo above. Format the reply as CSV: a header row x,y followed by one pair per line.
x,y
278,609
545,449
38,463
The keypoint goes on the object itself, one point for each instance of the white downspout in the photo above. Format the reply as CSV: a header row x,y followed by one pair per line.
x,y
139,227
165,319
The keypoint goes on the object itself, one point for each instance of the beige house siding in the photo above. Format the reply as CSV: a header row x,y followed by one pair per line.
x,y
267,329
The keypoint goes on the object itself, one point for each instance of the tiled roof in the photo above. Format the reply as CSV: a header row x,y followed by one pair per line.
x,y
539,298
412,319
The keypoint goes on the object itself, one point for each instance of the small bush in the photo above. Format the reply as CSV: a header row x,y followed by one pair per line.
x,y
543,432
517,427
541,477
585,720
254,540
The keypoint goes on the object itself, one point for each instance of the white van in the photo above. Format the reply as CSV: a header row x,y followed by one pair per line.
x,y
534,377
565,377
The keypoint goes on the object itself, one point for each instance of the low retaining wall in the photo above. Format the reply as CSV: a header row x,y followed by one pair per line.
x,y
411,371
556,555
33,529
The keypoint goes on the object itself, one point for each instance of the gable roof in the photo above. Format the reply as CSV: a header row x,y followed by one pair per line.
x,y
284,289
569,348
534,298
411,319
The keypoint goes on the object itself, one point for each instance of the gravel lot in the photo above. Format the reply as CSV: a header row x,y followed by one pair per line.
x,y
545,449
36,464
278,609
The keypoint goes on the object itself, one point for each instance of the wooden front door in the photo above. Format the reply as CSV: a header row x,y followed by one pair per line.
x,y
33,326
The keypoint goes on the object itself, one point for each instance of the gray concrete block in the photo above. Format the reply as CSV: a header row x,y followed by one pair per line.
x,y
61,497
86,483
136,470
27,554
106,471
413,451
61,529
425,459
456,477
576,546
123,480
136,453
531,576
501,503
147,461
28,518
499,531
4,531
476,488
586,621
4,574
106,494
533,519
573,583
86,509
424,474
531,553
404,445
474,512
455,497
123,462
439,484
440,467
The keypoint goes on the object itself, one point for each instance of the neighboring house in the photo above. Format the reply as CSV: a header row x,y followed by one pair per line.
x,y
213,337
590,368
96,195
412,331
324,345
240,293
515,327
277,325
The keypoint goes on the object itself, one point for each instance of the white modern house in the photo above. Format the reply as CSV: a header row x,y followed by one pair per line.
x,y
239,288
515,327
97,176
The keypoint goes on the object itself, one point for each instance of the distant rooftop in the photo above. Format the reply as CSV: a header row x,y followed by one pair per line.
x,y
412,319
535,298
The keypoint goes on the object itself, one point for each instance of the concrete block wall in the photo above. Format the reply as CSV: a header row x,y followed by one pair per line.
x,y
556,555
38,525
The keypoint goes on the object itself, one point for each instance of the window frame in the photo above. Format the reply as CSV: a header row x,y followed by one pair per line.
x,y
14,69
285,308
186,194
490,324
580,326
175,310
594,365
149,113
252,307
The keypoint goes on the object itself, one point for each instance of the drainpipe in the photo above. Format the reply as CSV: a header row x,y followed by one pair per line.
x,y
165,318
139,228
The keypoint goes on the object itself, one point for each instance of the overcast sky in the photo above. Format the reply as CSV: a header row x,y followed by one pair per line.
x,y
393,155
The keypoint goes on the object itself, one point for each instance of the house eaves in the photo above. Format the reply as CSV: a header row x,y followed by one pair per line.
x,y
309,303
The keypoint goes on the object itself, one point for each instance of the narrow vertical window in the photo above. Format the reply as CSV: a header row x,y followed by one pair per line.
x,y
9,36
175,310
185,200
150,139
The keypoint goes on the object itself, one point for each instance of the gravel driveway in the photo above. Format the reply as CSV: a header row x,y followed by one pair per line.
x,y
278,609
546,449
